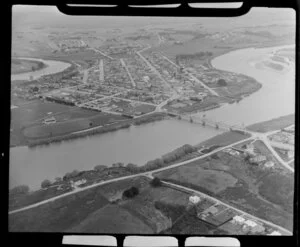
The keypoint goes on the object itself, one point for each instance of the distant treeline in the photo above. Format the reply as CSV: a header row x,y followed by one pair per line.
x,y
197,55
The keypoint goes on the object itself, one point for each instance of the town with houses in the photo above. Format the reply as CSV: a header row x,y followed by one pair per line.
x,y
224,185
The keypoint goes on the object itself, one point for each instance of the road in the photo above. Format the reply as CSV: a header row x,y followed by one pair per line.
x,y
85,76
213,92
154,70
125,177
98,51
128,72
101,71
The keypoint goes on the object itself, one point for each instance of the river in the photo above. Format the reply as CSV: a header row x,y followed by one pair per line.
x,y
138,144
276,97
52,67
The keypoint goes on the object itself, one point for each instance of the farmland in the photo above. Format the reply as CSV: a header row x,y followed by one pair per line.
x,y
102,209
209,180
251,184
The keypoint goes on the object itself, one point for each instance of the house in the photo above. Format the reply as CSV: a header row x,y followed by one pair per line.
x,y
77,183
212,210
234,153
250,149
194,199
238,219
269,164
250,223
258,159
275,233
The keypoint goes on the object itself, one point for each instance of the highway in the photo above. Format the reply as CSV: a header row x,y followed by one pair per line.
x,y
123,178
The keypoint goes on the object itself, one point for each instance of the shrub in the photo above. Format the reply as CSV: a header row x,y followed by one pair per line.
x,y
130,193
19,190
156,182
222,83
100,168
46,183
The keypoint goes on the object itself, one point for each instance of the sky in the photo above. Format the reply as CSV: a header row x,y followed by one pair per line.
x,y
50,16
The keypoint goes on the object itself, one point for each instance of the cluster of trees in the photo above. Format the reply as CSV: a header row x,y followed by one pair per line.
x,y
178,153
131,192
45,184
60,101
153,118
100,168
197,55
19,190
156,182
70,175
222,82
78,135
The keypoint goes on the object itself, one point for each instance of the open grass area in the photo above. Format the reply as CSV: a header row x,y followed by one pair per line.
x,y
273,124
245,192
223,139
209,180
21,65
112,219
59,215
27,121
103,210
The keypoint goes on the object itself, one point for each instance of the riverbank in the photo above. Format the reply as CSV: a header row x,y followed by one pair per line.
x,y
273,124
100,130
117,170
51,68
19,66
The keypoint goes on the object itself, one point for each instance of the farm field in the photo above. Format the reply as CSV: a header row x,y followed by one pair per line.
x,y
210,180
273,124
102,209
223,139
248,192
111,219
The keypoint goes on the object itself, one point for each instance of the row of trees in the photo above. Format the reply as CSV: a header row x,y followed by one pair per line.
x,y
197,55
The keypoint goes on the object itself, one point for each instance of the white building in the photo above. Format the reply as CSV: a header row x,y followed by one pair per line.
x,y
275,233
238,219
194,199
77,183
250,223
269,164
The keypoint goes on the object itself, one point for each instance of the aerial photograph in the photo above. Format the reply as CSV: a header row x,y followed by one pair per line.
x,y
152,125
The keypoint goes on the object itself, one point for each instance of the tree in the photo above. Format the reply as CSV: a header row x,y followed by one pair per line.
x,y
58,179
131,192
132,167
19,190
45,184
222,83
100,168
156,182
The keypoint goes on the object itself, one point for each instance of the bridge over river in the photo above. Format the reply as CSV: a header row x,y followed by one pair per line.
x,y
211,123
